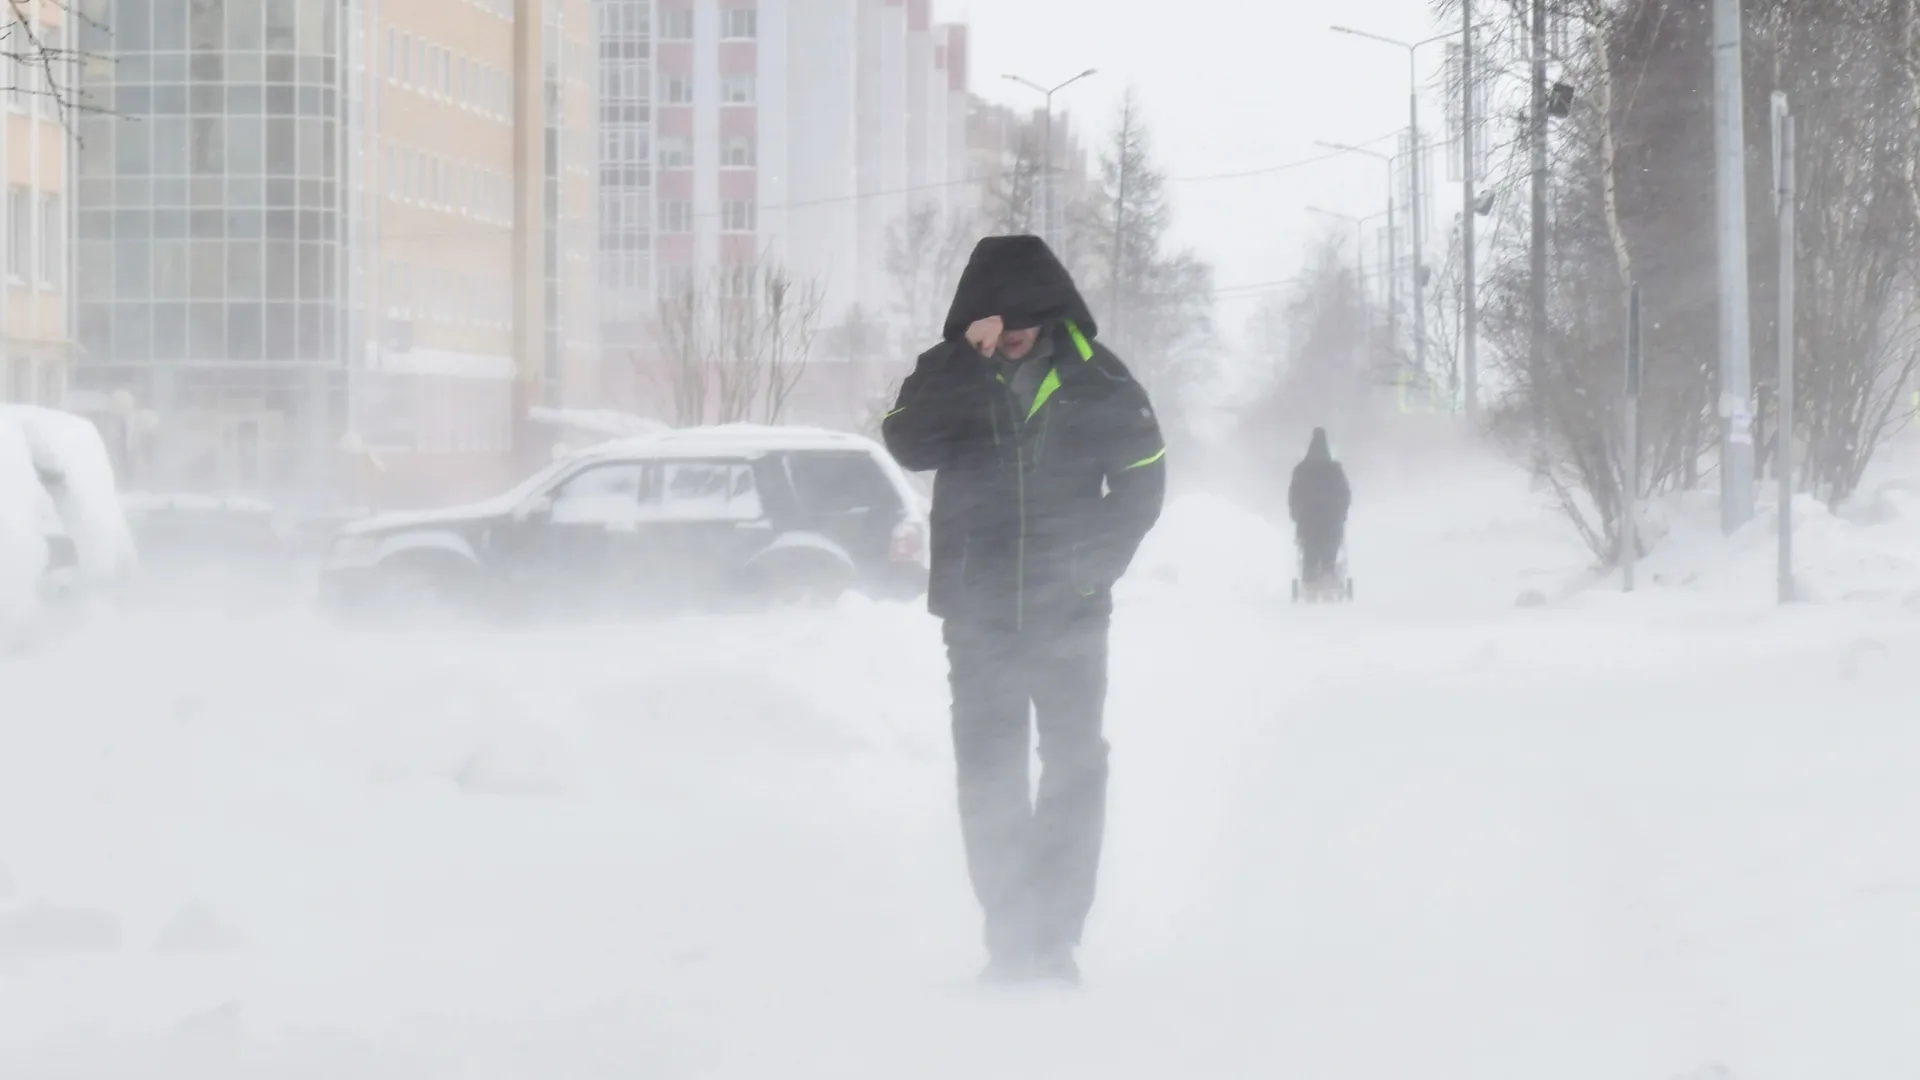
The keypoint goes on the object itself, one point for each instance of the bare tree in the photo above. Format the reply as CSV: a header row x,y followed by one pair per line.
x,y
1632,203
689,351
1155,303
738,343
1010,200
926,250
44,62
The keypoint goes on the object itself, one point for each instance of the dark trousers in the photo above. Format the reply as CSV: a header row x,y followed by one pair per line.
x,y
1319,551
1033,861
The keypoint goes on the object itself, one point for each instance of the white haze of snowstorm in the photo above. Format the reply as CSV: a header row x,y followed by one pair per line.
x,y
1429,834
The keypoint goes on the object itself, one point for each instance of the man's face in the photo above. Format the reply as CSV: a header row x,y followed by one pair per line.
x,y
1016,344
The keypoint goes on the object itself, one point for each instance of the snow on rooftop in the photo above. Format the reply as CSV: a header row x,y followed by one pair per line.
x,y
737,438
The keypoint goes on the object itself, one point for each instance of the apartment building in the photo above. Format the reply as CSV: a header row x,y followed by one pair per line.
x,y
36,148
294,232
794,131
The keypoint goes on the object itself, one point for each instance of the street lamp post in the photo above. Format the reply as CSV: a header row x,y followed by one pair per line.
x,y
1393,241
1413,174
1359,245
1046,135
1359,263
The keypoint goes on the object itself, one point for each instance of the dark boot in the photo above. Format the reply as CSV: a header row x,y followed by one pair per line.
x,y
1057,967
1007,970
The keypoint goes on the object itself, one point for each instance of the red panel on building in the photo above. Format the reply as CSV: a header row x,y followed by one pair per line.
x,y
739,57
675,249
957,57
739,249
674,57
674,120
739,184
919,14
739,120
676,183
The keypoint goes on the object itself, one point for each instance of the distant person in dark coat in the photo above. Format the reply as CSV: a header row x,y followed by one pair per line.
x,y
1318,500
1048,470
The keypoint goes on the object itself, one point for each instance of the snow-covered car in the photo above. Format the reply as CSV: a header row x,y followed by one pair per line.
x,y
204,550
61,528
701,518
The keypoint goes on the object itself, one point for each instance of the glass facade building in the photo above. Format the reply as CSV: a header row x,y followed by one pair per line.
x,y
211,222
626,176
294,227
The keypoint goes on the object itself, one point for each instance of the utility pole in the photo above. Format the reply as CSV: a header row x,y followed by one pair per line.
x,y
1784,183
1630,482
1736,348
1414,159
529,225
1413,174
1537,119
1393,239
1469,303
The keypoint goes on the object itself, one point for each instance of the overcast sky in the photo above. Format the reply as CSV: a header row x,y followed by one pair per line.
x,y
1229,86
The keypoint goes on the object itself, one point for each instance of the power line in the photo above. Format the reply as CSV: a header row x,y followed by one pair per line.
x,y
1287,166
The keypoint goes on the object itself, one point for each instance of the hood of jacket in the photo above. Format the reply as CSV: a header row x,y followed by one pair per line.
x,y
1021,280
1317,448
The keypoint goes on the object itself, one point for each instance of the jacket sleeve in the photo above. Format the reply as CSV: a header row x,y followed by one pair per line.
x,y
1135,462
936,418
1343,495
1296,496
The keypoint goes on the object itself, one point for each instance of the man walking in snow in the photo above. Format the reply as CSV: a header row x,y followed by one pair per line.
x,y
1049,470
1318,499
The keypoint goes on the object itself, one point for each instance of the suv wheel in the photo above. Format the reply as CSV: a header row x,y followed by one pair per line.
x,y
802,582
413,588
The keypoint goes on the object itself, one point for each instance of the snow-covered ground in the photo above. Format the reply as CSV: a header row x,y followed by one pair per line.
x,y
1432,834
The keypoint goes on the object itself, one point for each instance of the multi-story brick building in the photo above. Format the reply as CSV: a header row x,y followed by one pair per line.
x,y
35,146
793,132
295,230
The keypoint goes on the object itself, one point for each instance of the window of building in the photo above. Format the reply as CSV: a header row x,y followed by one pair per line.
x,y
406,59
280,25
740,22
676,216
53,249
737,215
737,89
677,89
393,53
463,87
676,24
54,39
19,233
739,152
20,76
675,152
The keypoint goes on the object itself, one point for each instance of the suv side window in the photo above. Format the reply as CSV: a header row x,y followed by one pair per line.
x,y
840,481
711,491
605,494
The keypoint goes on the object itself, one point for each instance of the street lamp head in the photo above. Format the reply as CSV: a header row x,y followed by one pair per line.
x,y
1089,71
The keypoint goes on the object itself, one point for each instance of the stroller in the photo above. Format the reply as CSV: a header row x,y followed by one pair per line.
x,y
1333,586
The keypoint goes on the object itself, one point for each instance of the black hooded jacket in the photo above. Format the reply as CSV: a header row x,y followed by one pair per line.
x,y
1319,498
1037,509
